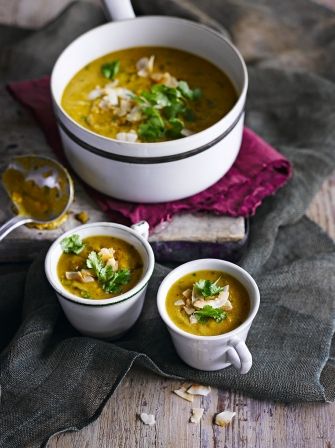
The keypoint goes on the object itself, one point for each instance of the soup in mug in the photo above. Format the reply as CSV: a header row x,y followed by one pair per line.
x,y
207,303
148,94
98,267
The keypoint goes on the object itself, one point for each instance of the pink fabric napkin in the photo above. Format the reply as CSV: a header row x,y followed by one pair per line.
x,y
258,171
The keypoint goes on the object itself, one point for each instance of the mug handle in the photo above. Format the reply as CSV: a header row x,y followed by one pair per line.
x,y
118,9
142,228
239,355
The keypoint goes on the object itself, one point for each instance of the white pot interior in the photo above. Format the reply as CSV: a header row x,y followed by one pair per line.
x,y
150,31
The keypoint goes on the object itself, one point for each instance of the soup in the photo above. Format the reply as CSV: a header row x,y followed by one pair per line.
x,y
207,303
98,267
148,94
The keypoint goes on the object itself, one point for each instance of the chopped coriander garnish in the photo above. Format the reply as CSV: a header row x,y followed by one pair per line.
x,y
208,312
165,109
72,244
175,127
115,281
110,281
187,92
208,288
110,69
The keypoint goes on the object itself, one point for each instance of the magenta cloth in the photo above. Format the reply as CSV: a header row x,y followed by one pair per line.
x,y
258,171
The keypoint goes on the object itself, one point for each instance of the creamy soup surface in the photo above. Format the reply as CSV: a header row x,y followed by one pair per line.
x,y
98,267
207,303
148,94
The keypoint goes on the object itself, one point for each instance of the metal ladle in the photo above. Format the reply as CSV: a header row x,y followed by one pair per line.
x,y
40,188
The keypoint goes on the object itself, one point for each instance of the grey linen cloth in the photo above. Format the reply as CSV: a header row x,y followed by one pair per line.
x,y
52,379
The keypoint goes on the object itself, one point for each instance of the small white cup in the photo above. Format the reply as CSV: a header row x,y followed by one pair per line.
x,y
107,318
211,352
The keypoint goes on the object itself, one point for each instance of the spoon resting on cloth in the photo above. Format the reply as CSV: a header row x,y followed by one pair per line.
x,y
40,188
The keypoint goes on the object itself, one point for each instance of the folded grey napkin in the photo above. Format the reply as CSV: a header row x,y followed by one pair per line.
x,y
52,379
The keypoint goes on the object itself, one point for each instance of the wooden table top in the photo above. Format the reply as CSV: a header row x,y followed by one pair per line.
x,y
257,424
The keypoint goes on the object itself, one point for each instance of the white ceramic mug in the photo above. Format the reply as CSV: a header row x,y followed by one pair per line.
x,y
107,318
150,172
211,352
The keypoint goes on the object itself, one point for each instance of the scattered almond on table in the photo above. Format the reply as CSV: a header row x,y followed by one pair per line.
x,y
224,418
148,419
197,414
182,392
198,389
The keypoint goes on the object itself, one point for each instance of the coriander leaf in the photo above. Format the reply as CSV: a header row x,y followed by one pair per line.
x,y
72,244
175,127
174,109
153,128
110,280
157,99
188,93
110,69
208,312
94,262
116,280
208,288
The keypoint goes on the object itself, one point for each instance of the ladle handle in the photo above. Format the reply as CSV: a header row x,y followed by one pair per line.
x,y
118,9
10,225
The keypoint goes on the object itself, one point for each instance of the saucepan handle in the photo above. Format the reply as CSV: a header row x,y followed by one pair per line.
x,y
118,9
239,355
142,228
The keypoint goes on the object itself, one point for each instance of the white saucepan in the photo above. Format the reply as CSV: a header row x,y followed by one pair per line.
x,y
151,172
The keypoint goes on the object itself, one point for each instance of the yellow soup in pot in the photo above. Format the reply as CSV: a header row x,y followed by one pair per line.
x,y
148,94
98,267
207,303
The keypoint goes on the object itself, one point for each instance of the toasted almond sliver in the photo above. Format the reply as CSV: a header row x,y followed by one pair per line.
x,y
193,319
148,419
127,136
224,418
199,389
189,310
183,394
187,293
179,302
227,306
197,414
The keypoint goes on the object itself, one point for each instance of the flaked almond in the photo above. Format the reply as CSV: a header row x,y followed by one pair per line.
x,y
165,78
187,293
193,319
183,394
135,114
127,136
79,276
224,418
199,389
197,414
95,93
219,302
106,253
148,419
186,132
145,66
188,310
